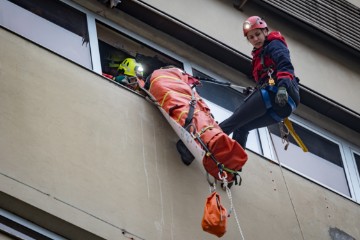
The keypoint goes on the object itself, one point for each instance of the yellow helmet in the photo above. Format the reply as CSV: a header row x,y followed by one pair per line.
x,y
131,67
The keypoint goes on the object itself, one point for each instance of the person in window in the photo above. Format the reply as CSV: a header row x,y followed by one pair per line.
x,y
130,74
112,62
276,95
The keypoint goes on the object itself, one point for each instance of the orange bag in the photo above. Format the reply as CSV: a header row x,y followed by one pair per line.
x,y
215,216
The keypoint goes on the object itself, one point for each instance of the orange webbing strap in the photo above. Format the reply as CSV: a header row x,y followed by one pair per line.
x,y
182,113
163,76
203,130
296,137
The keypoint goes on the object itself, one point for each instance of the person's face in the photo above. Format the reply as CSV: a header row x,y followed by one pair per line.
x,y
257,37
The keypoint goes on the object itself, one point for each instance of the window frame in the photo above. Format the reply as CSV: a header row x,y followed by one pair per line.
x,y
344,148
23,229
49,41
347,149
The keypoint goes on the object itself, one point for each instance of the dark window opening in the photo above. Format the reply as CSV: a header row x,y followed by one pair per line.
x,y
221,95
115,47
19,231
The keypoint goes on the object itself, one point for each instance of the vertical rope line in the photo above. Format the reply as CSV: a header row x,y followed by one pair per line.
x,y
233,209
287,188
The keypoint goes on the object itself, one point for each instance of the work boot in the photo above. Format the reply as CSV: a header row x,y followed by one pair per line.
x,y
186,155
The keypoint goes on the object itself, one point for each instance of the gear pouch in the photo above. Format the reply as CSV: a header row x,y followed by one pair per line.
x,y
215,216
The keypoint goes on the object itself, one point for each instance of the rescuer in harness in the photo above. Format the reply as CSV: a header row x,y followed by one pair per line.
x,y
128,72
276,95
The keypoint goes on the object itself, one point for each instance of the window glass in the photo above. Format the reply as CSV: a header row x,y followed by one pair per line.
x,y
115,47
323,163
223,96
357,161
51,24
222,100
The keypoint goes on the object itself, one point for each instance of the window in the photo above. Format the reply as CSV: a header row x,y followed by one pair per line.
x,y
222,101
356,174
16,227
51,24
357,162
222,95
323,163
114,47
64,30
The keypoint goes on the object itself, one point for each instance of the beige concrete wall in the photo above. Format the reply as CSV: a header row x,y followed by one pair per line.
x,y
355,2
316,61
102,158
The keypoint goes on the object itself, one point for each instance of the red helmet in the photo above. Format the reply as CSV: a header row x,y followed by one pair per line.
x,y
253,22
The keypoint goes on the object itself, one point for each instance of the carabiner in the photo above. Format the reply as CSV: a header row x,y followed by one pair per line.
x,y
222,178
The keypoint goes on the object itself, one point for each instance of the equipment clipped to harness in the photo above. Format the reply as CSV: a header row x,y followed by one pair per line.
x,y
271,81
214,220
296,137
286,128
268,104
284,134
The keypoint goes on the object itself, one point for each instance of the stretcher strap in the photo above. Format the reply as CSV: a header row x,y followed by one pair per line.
x,y
212,157
192,105
183,112
163,76
172,91
203,130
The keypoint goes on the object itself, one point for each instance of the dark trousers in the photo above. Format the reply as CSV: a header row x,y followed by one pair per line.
x,y
252,114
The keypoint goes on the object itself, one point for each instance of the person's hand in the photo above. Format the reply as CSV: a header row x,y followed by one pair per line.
x,y
121,79
281,97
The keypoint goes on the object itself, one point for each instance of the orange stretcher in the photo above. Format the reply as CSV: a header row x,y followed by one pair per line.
x,y
172,89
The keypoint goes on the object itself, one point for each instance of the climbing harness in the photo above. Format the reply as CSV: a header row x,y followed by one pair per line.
x,y
285,125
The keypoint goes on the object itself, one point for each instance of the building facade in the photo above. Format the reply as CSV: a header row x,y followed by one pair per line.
x,y
82,157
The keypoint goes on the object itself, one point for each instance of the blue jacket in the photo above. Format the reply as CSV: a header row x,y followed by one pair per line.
x,y
276,57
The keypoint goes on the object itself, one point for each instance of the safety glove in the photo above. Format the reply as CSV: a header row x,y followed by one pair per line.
x,y
281,97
